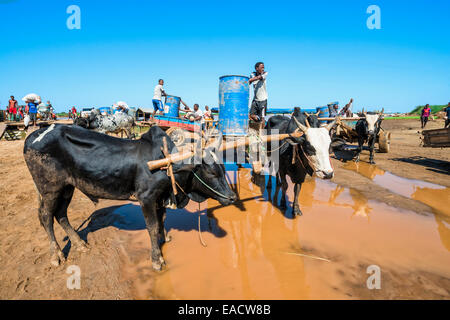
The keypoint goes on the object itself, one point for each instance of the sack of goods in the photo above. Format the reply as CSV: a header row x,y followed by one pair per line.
x,y
32,97
122,104
26,120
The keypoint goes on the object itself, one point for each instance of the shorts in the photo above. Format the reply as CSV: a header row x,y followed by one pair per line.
x,y
33,116
157,105
258,107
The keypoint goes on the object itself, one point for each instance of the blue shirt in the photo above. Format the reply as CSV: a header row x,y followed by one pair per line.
x,y
32,107
448,112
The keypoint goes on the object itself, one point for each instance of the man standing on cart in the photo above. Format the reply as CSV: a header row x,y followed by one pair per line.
x,y
259,104
158,93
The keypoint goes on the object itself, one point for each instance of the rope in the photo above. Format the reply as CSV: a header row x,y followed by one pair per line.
x,y
216,192
199,230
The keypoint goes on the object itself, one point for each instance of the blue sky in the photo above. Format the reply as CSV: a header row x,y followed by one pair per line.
x,y
315,51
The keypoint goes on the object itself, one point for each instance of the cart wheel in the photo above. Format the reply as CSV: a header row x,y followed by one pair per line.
x,y
384,141
177,136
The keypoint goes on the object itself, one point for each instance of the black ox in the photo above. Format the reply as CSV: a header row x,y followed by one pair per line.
x,y
61,158
298,157
368,129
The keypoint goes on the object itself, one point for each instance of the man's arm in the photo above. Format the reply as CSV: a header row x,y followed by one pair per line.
x,y
255,78
184,104
258,77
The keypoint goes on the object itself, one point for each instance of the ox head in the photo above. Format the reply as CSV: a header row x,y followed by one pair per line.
x,y
315,147
207,178
372,120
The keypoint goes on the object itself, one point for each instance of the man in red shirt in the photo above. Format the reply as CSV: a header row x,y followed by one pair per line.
x,y
426,112
12,109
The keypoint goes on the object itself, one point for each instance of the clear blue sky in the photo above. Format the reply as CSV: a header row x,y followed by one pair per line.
x,y
315,51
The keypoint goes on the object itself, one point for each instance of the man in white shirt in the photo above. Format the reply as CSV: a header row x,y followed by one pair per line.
x,y
158,93
259,103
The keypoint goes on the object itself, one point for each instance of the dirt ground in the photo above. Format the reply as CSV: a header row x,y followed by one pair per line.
x,y
24,248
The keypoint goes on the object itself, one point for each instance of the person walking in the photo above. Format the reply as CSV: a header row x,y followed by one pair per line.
x,y
32,111
259,103
157,95
12,109
426,112
447,114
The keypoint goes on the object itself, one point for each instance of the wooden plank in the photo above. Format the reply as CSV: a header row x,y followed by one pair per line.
x,y
2,129
436,138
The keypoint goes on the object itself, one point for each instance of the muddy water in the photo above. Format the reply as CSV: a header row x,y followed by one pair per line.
x,y
254,249
435,196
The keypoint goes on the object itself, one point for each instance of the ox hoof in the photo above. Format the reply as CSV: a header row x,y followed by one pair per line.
x,y
297,212
162,261
157,266
57,258
82,247
372,162
168,238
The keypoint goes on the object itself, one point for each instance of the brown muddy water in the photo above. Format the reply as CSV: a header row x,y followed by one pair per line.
x,y
433,195
255,250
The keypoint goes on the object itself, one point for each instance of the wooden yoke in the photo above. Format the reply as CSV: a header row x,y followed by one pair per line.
x,y
180,156
165,150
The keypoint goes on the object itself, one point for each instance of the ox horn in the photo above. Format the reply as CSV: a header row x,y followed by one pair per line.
x,y
331,125
317,113
299,125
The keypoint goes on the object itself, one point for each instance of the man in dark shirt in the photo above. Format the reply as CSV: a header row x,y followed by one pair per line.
x,y
447,114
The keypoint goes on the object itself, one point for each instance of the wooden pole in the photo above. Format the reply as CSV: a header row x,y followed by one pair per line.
x,y
180,156
169,166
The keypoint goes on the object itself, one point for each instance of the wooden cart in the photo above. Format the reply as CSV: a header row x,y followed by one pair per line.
x,y
347,132
436,138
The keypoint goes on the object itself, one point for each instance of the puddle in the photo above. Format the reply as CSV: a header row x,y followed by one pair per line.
x,y
252,247
433,195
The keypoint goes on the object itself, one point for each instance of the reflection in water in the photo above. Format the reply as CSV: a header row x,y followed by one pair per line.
x,y
435,196
246,258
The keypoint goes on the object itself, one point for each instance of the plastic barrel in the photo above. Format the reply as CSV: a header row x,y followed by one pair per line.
x,y
233,105
324,112
172,105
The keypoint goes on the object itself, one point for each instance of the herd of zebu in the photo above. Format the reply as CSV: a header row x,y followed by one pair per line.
x,y
61,158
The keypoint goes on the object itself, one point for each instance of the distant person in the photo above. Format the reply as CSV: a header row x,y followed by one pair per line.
x,y
12,109
347,110
426,112
334,110
207,115
74,112
20,113
193,115
259,103
447,114
157,95
32,111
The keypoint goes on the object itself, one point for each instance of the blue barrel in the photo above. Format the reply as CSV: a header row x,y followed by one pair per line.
x,y
324,112
106,110
233,105
172,105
